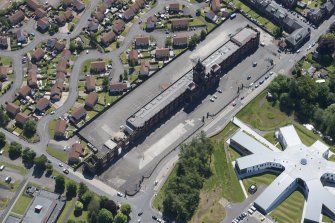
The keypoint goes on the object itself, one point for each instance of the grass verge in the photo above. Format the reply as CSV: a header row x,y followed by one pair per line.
x,y
22,204
58,154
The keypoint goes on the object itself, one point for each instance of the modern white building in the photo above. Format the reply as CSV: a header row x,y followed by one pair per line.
x,y
298,166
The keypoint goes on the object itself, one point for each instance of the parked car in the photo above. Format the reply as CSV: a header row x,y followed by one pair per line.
x,y
66,171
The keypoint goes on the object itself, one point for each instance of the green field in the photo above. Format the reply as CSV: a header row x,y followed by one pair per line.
x,y
23,171
58,154
66,209
22,204
263,179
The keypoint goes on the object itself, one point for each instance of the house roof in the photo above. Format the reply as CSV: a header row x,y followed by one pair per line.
x,y
297,36
174,6
68,14
145,67
43,22
24,91
244,36
99,16
79,113
142,40
12,108
42,104
60,126
3,72
117,86
90,82
93,25
98,65
133,55
179,22
34,4
17,17
39,12
91,99
62,65
38,54
108,37
76,150
59,46
162,52
129,13
21,117
78,4
3,41
60,75
215,5
180,40
118,25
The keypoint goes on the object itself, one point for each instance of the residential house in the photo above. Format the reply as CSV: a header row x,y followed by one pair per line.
x,y
102,8
78,5
142,42
180,42
296,39
135,8
144,70
179,24
69,15
24,91
215,6
59,46
118,87
151,23
210,15
66,54
108,38
61,20
21,36
174,8
128,14
140,3
91,100
315,16
162,54
21,118
38,55
133,57
66,3
76,151
3,73
99,16
60,129
78,114
98,67
12,109
62,65
93,26
288,3
56,92
16,18
90,84
34,4
60,76
119,26
43,24
51,43
3,42
42,105
39,13
32,76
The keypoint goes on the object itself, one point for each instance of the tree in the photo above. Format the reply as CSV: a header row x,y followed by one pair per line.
x,y
125,75
326,44
80,46
276,31
3,117
105,82
168,41
120,218
28,156
53,28
71,189
105,216
103,201
126,209
203,34
194,41
111,206
15,150
60,184
70,221
94,205
86,198
81,189
78,207
2,139
49,168
29,127
40,162
73,46
332,28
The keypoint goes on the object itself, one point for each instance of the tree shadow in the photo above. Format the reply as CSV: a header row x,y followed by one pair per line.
x,y
38,172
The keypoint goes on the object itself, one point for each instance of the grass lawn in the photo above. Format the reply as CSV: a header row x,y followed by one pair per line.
x,y
5,60
124,58
326,219
58,154
262,179
222,184
3,203
66,209
22,204
23,171
51,128
290,211
83,217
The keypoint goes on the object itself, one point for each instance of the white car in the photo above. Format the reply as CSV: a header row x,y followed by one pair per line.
x,y
60,164
86,51
53,112
120,194
211,99
214,96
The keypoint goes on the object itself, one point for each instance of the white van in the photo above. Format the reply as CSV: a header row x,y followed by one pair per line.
x,y
2,167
